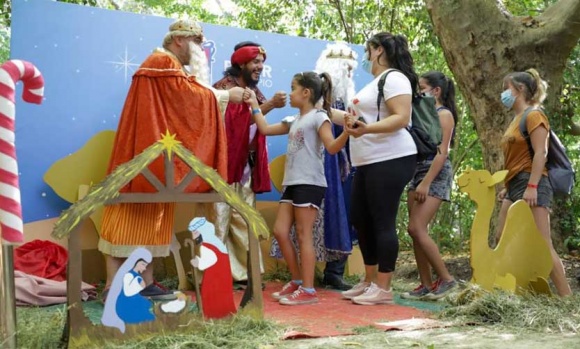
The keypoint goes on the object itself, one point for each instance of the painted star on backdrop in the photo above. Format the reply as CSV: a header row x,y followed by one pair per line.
x,y
125,63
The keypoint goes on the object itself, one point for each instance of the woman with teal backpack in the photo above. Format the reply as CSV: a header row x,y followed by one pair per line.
x,y
430,186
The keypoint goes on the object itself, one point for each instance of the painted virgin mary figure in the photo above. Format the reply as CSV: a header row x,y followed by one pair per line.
x,y
124,304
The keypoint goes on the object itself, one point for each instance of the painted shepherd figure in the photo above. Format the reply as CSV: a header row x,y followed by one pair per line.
x,y
216,287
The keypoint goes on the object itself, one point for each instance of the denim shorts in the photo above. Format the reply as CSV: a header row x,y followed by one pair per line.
x,y
303,195
517,186
441,186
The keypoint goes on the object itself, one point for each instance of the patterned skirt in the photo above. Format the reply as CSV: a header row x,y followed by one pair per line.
x,y
332,233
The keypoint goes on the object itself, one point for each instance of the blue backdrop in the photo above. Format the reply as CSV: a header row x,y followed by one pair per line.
x,y
87,57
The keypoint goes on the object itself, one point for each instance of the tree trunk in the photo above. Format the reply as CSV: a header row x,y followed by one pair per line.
x,y
482,42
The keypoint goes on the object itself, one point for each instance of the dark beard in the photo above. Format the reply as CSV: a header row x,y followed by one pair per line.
x,y
247,76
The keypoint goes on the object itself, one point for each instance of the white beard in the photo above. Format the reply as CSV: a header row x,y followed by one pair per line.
x,y
198,65
342,85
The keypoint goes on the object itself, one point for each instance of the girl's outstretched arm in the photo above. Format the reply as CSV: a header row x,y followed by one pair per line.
x,y
260,119
332,145
337,116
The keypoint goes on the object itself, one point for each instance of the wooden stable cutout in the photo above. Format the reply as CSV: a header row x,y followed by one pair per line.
x,y
79,328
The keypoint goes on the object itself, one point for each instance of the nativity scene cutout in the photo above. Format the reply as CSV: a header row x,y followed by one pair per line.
x,y
128,314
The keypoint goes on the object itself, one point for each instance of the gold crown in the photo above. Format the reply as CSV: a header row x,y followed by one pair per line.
x,y
341,54
185,27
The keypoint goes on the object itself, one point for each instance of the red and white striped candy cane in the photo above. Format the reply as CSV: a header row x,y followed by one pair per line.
x,y
10,208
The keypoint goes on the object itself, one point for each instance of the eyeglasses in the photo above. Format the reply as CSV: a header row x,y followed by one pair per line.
x,y
198,40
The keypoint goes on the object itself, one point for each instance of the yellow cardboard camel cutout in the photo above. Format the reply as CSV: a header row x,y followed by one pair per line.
x,y
521,260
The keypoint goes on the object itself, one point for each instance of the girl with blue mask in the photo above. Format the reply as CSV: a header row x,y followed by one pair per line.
x,y
527,177
507,98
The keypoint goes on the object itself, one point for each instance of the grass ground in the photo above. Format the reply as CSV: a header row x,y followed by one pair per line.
x,y
482,320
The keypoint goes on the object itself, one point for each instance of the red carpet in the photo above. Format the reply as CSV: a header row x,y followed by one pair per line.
x,y
332,315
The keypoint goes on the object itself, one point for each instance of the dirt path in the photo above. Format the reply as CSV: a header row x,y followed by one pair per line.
x,y
455,337
472,337
459,267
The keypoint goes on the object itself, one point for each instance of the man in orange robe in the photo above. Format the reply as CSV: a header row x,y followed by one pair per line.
x,y
164,96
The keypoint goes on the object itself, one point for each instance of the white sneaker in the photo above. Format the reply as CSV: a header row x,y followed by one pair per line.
x,y
356,290
374,295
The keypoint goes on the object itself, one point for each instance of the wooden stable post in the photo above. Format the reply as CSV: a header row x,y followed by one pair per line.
x,y
7,298
76,318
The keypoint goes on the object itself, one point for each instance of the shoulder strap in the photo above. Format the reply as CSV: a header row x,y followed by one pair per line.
x,y
524,129
380,95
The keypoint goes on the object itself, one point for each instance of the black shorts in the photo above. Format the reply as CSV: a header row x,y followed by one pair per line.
x,y
517,186
303,195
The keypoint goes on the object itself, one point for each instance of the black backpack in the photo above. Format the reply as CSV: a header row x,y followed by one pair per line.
x,y
559,167
425,129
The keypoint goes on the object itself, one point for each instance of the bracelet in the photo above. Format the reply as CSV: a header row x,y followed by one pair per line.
x,y
530,185
256,111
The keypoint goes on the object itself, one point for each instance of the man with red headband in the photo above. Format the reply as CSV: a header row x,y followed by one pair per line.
x,y
248,171
164,97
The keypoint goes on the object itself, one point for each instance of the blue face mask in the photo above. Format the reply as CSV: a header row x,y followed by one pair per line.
x,y
508,99
366,65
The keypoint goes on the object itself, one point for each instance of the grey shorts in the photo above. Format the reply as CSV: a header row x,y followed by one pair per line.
x,y
441,186
517,186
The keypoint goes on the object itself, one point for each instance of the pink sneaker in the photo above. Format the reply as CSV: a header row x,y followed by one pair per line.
x,y
356,290
374,295
299,297
287,290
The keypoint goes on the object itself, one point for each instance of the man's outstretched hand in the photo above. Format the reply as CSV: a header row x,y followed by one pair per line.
x,y
279,99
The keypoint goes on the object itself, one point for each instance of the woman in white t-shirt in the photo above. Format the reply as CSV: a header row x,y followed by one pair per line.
x,y
384,155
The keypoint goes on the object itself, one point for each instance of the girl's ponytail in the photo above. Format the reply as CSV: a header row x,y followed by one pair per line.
x,y
326,92
538,95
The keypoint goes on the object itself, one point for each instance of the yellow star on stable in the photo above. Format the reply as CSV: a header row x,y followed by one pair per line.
x,y
169,142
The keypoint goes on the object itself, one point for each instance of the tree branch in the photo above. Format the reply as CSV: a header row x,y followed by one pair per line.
x,y
443,9
336,4
459,159
393,14
503,9
115,5
562,20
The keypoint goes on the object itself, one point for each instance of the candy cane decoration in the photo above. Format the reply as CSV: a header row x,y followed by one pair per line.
x,y
10,207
